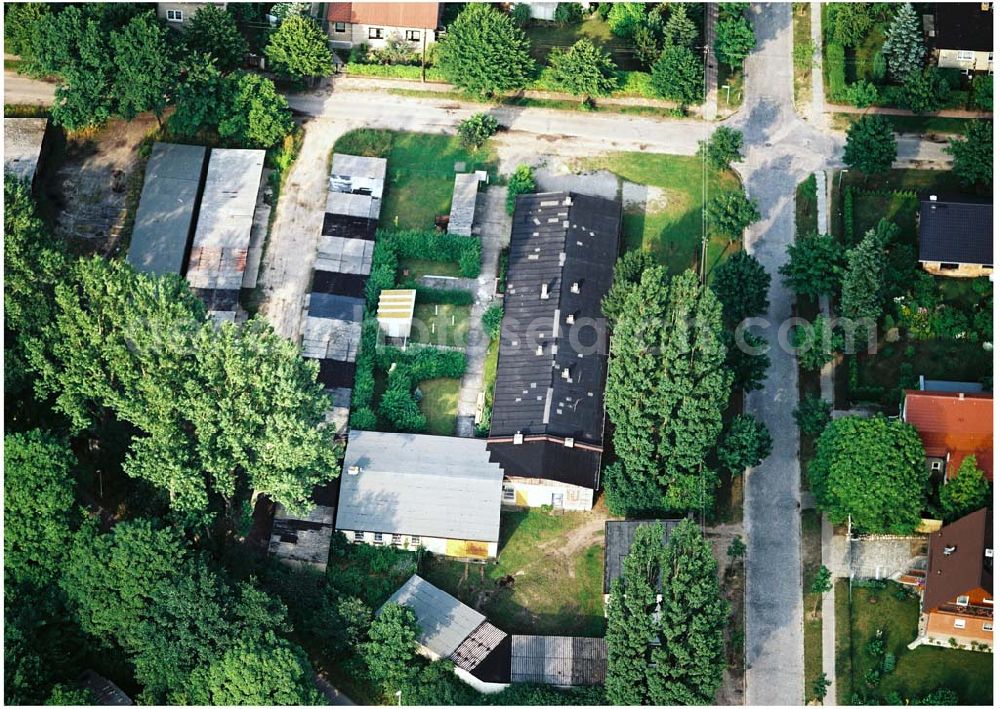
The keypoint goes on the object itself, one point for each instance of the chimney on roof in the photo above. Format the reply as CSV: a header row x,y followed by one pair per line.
x,y
545,291
518,438
933,198
565,374
570,319
568,443
961,396
354,470
950,549
540,350
575,288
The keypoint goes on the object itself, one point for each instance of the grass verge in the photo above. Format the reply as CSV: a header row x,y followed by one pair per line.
x,y
802,49
548,578
812,602
921,125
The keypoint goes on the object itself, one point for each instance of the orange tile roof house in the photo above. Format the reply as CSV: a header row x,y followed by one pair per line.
x,y
372,23
952,425
957,598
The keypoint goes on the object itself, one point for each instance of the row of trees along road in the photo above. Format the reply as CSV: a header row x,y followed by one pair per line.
x,y
121,60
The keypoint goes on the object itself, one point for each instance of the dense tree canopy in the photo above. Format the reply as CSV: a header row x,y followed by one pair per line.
x,y
871,145
732,212
145,69
734,40
722,148
685,667
864,282
39,510
667,387
746,444
873,470
212,30
628,271
851,22
391,647
485,52
299,49
221,410
258,116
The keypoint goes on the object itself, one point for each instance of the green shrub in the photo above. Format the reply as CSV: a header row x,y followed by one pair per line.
x,y
862,93
466,251
475,130
393,71
423,362
809,188
813,414
568,13
363,419
492,320
521,14
849,216
367,142
443,296
836,79
521,182
982,92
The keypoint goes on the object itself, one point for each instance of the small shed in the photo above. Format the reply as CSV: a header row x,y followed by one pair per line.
x,y
558,660
463,202
303,539
22,146
395,313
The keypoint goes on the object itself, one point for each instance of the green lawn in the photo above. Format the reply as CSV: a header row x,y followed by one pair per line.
x,y
545,581
813,625
918,672
420,176
490,372
733,78
546,35
442,324
673,229
440,405
416,268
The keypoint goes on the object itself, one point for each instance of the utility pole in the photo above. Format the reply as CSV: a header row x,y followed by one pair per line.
x,y
423,56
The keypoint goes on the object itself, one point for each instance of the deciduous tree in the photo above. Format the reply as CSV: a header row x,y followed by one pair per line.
x,y
625,17
851,22
258,115
732,212
145,69
734,40
741,285
748,361
39,512
213,31
583,70
816,343
746,444
973,153
813,414
628,271
871,145
389,652
484,52
299,49
815,266
722,148
873,470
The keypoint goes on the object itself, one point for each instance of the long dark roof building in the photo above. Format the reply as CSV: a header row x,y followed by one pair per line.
x,y
548,402
956,229
963,25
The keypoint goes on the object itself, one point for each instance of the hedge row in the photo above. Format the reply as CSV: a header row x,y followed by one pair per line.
x,y
441,296
390,246
362,415
423,362
393,71
849,216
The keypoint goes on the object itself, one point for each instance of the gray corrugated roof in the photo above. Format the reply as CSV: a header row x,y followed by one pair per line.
x,y
444,621
956,230
463,202
428,486
22,145
166,208
222,238
558,660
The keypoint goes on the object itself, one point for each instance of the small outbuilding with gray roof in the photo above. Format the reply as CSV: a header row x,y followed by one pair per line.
x,y
411,490
164,220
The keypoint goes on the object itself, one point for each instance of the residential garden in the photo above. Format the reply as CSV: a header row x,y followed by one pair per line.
x,y
876,620
875,54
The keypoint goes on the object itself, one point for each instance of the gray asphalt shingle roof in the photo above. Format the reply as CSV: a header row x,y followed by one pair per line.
x,y
956,230
166,208
443,620
427,486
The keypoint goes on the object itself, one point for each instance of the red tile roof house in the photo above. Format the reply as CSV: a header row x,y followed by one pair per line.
x,y
952,425
956,607
372,23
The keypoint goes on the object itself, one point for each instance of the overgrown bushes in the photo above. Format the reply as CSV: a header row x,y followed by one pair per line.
x,y
521,182
429,246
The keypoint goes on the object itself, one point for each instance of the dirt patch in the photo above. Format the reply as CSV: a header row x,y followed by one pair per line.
x,y
732,575
89,181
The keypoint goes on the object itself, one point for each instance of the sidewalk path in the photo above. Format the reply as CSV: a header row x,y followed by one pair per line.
x,y
887,111
819,116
